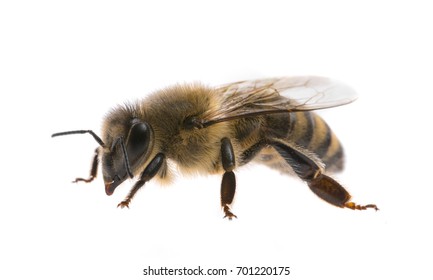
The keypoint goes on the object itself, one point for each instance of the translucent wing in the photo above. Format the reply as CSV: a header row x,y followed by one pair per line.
x,y
276,95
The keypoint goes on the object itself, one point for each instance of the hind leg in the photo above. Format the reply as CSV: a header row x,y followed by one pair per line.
x,y
322,185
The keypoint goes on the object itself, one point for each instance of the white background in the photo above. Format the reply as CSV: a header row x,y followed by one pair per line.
x,y
64,64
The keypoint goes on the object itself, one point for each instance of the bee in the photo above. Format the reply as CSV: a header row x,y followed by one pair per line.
x,y
214,130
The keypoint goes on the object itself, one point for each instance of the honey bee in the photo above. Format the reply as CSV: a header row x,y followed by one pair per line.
x,y
214,130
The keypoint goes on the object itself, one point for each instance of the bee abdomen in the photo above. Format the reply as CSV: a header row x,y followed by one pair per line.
x,y
311,132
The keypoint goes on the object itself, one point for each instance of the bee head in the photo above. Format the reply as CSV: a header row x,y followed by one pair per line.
x,y
122,152
125,154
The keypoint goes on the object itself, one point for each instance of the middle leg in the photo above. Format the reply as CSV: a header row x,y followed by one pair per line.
x,y
228,184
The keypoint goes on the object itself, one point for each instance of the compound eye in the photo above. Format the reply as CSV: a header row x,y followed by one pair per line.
x,y
138,141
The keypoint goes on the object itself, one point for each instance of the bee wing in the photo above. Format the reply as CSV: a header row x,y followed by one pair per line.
x,y
277,95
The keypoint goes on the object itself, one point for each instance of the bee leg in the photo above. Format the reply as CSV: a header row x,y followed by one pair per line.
x,y
329,190
149,172
322,185
93,170
228,184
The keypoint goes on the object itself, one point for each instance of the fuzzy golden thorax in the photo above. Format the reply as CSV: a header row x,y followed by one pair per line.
x,y
168,112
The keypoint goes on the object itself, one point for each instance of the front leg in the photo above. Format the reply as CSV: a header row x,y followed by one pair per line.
x,y
228,184
93,170
149,172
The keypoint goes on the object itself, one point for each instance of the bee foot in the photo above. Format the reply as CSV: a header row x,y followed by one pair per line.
x,y
228,213
124,204
354,206
90,179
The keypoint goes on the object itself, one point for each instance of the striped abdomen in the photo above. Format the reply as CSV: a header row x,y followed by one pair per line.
x,y
308,131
